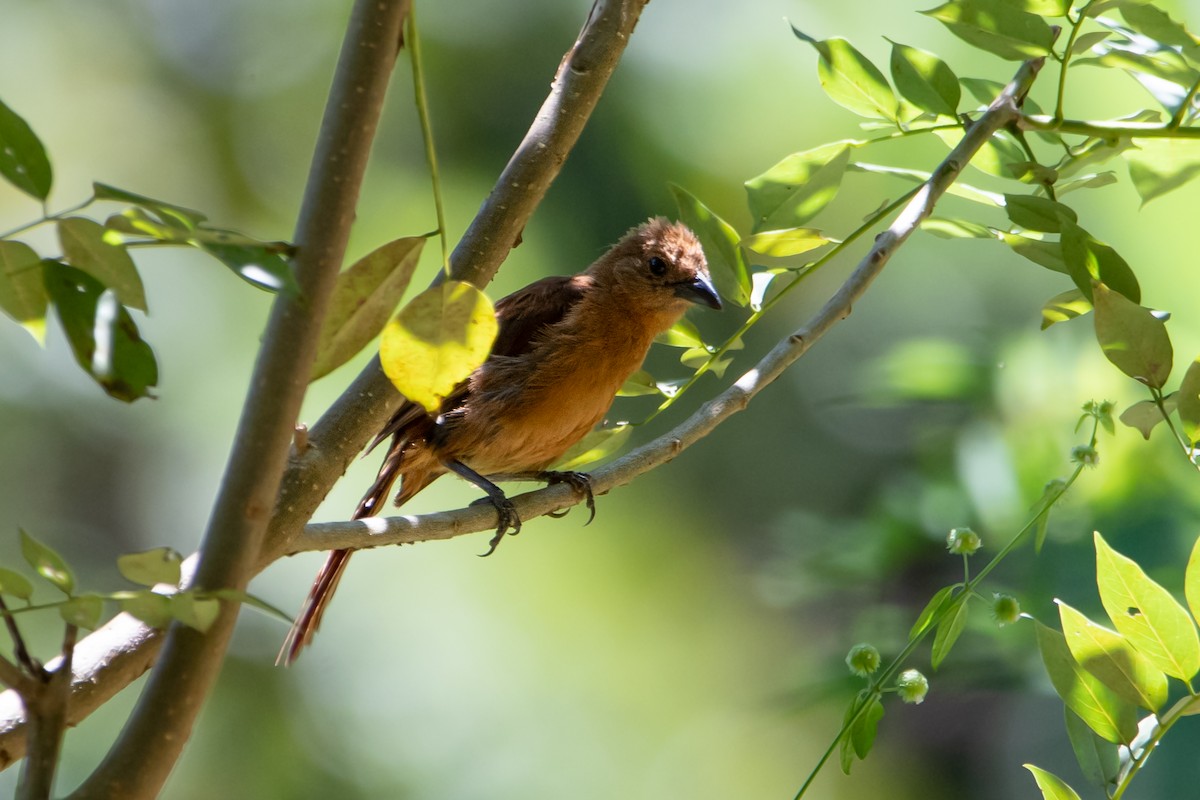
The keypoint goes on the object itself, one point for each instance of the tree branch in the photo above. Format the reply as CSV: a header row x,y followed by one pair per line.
x,y
113,656
144,754
376,532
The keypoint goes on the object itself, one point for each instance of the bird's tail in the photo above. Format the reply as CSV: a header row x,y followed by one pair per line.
x,y
309,618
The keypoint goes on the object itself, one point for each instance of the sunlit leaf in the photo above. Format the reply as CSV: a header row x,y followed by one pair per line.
x,y
682,334
15,584
260,265
1146,614
1065,306
195,612
1036,213
22,290
152,609
958,188
1144,415
151,567
998,26
931,609
1191,581
1189,402
862,733
436,341
1107,655
850,79
639,384
948,631
1086,41
1052,786
1102,709
596,446
1150,20
102,334
363,300
1041,252
789,242
1092,181
1045,8
1158,166
86,248
1132,338
956,228
796,189
726,262
1031,172
994,157
184,217
23,161
1099,759
48,563
82,611
760,284
925,80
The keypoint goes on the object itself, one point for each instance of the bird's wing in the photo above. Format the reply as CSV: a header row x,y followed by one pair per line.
x,y
521,315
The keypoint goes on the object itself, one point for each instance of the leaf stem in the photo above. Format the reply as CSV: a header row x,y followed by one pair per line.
x,y
47,218
1107,129
413,39
1066,57
1181,113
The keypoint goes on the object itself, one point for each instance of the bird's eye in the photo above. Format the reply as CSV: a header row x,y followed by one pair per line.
x,y
657,266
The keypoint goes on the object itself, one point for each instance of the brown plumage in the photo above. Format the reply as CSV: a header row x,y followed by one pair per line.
x,y
565,346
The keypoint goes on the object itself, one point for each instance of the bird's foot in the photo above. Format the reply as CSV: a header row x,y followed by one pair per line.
x,y
506,519
581,482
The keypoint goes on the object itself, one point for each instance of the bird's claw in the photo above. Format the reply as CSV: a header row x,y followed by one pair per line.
x,y
581,482
506,518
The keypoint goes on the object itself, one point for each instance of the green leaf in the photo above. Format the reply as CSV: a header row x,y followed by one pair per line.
x,y
1146,614
948,630
47,563
364,298
596,446
1191,580
1086,41
862,733
15,584
1090,260
23,161
726,262
1099,760
1188,402
797,188
851,80
1142,416
86,248
252,601
1053,787
1158,166
639,384
83,611
102,335
1102,709
185,218
682,334
931,608
958,188
1151,21
22,292
1046,8
1094,180
1065,306
1051,494
1036,213
956,228
925,80
789,242
1107,655
259,265
997,155
436,341
151,567
151,608
1040,252
997,26
195,612
1132,338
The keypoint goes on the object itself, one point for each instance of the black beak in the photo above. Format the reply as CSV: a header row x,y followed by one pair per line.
x,y
699,290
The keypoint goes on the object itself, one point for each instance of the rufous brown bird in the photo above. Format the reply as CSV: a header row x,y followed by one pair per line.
x,y
565,346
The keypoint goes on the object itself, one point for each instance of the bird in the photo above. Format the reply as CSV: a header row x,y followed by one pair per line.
x,y
565,345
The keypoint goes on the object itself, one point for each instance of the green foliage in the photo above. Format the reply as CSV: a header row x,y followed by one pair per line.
x,y
23,161
726,262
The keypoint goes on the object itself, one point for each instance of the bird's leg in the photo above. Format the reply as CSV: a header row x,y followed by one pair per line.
x,y
505,512
581,482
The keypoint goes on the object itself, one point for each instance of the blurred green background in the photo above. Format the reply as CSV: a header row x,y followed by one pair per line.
x,y
689,643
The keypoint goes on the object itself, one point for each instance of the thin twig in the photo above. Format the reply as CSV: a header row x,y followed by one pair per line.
x,y
19,649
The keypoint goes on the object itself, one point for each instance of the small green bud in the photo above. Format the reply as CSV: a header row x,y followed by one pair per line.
x,y
913,686
1005,609
1086,455
963,541
863,659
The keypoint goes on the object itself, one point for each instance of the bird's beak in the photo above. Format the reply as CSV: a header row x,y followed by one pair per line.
x,y
699,290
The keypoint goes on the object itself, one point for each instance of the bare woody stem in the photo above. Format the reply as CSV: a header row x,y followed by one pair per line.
x,y
113,656
144,754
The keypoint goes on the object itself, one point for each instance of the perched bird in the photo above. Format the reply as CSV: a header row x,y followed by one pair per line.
x,y
565,346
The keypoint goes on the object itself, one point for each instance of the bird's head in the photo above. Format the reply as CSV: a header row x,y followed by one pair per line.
x,y
659,270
